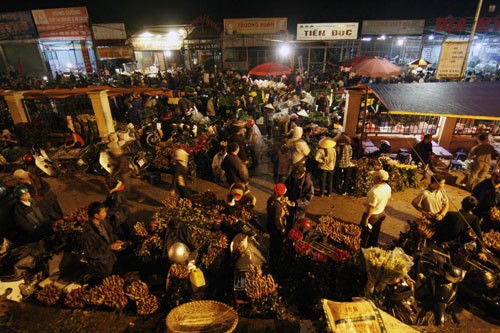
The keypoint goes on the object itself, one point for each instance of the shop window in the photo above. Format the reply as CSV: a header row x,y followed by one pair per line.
x,y
475,126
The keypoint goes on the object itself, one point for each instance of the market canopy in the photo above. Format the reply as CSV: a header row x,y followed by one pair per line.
x,y
111,91
270,68
478,100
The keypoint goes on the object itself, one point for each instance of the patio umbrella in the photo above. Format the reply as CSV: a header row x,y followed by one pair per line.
x,y
419,63
376,68
270,68
354,61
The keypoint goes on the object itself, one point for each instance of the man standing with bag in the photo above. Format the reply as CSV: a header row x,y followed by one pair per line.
x,y
377,198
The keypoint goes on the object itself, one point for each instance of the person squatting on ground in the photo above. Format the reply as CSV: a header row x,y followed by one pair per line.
x,y
300,191
99,243
326,158
432,201
40,191
377,198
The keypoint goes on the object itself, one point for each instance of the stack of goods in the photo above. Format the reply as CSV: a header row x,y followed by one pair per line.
x,y
492,240
138,292
72,222
262,291
49,295
331,239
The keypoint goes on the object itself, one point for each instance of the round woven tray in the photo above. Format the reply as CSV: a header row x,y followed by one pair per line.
x,y
202,316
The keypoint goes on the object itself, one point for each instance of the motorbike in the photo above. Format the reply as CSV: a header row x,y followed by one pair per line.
x,y
152,132
44,162
138,163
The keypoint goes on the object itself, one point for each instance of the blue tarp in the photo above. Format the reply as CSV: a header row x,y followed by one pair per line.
x,y
479,100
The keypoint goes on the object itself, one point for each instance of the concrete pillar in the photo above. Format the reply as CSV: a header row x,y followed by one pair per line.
x,y
352,106
102,111
446,132
14,100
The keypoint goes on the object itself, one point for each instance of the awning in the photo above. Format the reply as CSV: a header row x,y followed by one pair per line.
x,y
477,100
111,91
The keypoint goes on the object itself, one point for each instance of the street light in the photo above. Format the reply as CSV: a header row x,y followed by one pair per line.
x,y
284,50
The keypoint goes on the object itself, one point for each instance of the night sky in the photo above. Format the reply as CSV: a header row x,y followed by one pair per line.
x,y
138,13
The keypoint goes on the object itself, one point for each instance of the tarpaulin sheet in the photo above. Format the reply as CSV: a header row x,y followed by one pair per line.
x,y
477,100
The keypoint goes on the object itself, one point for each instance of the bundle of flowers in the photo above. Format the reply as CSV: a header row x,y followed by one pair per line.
x,y
492,240
72,222
267,84
384,267
262,291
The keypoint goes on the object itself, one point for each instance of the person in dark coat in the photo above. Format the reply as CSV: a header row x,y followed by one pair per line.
x,y
487,194
236,171
300,191
134,113
117,207
34,225
423,150
277,213
99,242
40,191
238,136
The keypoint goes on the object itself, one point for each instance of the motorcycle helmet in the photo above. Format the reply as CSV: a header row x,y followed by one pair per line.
x,y
3,190
305,224
28,159
178,253
453,274
488,279
20,190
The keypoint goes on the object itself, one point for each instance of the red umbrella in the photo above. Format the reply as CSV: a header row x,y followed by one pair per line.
x,y
354,61
270,68
376,68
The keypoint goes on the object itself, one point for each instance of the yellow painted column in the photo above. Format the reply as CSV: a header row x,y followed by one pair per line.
x,y
352,109
102,111
14,100
446,132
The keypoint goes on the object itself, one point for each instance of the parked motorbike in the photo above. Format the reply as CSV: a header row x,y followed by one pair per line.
x,y
138,163
43,161
152,132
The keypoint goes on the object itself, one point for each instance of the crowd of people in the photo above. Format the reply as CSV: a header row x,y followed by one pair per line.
x,y
307,161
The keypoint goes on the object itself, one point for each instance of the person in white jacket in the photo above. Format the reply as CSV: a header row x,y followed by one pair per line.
x,y
326,157
299,148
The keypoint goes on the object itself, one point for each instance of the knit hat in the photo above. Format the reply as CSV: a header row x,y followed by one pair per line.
x,y
237,190
279,190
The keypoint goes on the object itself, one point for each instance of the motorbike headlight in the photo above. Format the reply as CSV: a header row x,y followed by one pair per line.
x,y
453,274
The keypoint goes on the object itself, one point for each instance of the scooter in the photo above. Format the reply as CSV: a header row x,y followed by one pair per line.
x,y
152,132
43,161
138,163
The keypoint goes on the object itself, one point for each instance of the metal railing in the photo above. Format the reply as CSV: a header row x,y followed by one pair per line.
x,y
383,123
475,126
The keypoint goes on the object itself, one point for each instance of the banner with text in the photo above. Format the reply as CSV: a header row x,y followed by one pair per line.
x,y
393,27
62,23
17,25
107,31
115,52
255,26
327,31
451,60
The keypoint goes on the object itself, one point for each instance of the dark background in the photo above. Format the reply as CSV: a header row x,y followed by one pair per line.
x,y
137,13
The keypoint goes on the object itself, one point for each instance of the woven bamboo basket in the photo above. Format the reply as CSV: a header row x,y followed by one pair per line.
x,y
202,316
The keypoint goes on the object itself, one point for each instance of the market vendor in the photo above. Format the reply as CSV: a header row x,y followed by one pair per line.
x,y
40,191
240,197
73,139
432,202
377,198
219,174
8,140
277,213
181,171
238,136
300,190
99,242
461,226
422,151
31,220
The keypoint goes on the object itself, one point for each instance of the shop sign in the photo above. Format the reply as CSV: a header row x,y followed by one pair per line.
x,y
109,31
205,46
452,58
62,23
156,43
393,27
459,24
86,57
17,25
255,26
115,52
327,31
